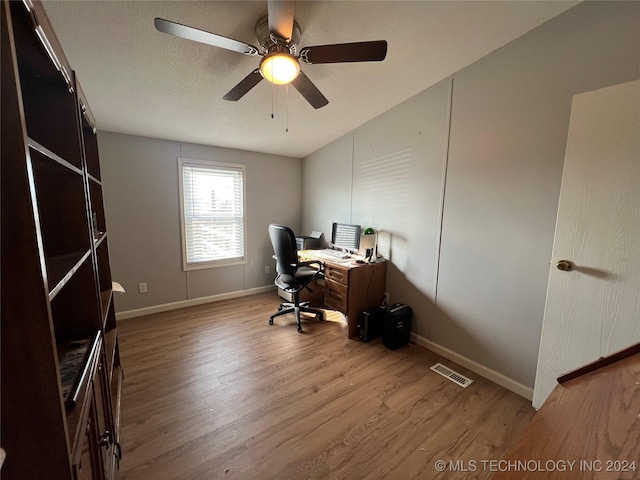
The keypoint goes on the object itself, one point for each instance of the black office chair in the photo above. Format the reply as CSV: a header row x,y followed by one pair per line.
x,y
293,275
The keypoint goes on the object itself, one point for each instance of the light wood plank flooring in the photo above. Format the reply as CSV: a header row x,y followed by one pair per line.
x,y
214,392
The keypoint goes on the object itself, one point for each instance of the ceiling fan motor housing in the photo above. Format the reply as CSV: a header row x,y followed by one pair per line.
x,y
267,40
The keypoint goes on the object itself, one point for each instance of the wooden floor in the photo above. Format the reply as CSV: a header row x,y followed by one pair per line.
x,y
214,392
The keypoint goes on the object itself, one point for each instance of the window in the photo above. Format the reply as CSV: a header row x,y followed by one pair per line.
x,y
212,211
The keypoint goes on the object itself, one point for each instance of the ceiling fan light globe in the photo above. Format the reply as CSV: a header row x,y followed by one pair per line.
x,y
279,68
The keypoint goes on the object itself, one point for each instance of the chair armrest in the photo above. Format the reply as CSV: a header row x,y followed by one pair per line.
x,y
309,263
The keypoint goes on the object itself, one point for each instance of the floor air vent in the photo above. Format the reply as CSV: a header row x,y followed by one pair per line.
x,y
455,377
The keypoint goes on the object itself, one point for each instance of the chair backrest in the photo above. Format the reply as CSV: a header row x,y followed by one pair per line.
x,y
284,246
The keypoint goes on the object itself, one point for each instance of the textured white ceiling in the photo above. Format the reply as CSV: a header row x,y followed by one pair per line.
x,y
142,82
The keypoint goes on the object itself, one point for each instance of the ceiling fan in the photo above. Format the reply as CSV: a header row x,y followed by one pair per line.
x,y
278,35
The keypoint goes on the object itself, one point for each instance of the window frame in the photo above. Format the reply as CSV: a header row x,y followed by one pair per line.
x,y
186,266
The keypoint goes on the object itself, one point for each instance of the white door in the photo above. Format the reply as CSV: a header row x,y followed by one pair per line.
x,y
593,309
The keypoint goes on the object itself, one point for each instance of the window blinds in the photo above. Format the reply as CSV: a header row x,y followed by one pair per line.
x,y
213,202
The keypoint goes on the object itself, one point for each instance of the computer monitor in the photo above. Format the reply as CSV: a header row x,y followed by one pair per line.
x,y
346,236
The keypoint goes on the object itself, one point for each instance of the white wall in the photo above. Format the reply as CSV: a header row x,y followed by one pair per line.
x,y
140,185
397,190
480,291
327,186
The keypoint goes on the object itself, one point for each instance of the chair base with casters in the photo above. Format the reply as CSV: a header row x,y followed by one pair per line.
x,y
297,308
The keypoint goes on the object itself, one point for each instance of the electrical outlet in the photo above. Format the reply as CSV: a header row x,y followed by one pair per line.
x,y
142,287
267,269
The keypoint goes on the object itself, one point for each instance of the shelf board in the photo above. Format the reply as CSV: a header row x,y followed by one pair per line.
x,y
94,179
61,268
99,239
48,153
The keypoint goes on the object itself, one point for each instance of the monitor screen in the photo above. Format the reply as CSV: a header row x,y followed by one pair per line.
x,y
345,236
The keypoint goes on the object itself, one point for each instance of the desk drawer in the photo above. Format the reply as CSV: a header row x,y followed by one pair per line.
x,y
335,295
336,273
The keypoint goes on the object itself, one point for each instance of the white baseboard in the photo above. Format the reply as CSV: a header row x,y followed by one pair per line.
x,y
165,307
475,367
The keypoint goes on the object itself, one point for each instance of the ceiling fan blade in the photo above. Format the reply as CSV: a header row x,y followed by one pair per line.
x,y
374,51
309,91
197,35
246,84
281,14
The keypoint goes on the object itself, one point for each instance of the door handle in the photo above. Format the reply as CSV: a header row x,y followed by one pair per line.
x,y
564,265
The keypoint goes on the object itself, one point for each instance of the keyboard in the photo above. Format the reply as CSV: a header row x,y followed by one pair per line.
x,y
329,253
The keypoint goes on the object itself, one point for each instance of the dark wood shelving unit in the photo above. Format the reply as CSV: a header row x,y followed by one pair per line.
x,y
61,371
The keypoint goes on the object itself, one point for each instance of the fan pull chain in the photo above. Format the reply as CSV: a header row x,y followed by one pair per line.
x,y
272,87
286,107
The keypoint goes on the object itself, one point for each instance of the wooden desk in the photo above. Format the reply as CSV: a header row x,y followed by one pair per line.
x,y
351,288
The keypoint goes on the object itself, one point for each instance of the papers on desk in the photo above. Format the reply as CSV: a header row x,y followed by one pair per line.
x,y
324,255
329,254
